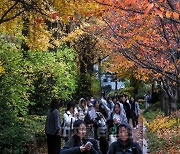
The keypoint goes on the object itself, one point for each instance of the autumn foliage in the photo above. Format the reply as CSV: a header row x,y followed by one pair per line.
x,y
31,16
145,33
167,130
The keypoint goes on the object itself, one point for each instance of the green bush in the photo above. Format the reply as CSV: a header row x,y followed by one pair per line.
x,y
18,137
32,80
153,111
15,86
141,104
27,85
95,87
55,76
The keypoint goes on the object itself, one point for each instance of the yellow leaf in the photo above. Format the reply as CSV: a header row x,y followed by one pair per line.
x,y
168,14
156,5
162,9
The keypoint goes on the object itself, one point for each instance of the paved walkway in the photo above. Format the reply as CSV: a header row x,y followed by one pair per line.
x,y
138,134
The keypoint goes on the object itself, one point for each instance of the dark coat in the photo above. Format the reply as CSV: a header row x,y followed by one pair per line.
x,y
118,148
71,148
127,109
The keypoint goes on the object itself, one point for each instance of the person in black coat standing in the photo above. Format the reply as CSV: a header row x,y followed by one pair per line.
x,y
135,112
79,143
124,144
127,107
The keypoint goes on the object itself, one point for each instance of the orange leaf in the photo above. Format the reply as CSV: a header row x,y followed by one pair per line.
x,y
134,2
127,2
149,8
175,15
160,13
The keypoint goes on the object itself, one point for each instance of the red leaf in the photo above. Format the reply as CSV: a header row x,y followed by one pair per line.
x,y
38,20
55,15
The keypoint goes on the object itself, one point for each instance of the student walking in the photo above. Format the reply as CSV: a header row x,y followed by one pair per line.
x,y
52,128
147,98
127,108
135,110
115,118
82,109
79,143
69,118
124,144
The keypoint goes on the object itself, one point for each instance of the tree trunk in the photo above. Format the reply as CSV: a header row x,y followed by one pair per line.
x,y
168,99
25,32
173,101
162,99
178,99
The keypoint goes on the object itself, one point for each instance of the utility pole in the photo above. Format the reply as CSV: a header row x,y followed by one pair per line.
x,y
99,71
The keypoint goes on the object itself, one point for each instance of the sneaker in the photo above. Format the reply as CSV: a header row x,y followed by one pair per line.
x,y
134,128
137,126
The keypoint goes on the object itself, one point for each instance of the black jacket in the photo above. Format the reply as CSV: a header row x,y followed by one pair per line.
x,y
118,148
71,148
127,109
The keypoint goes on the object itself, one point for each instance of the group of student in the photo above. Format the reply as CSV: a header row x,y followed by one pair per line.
x,y
88,126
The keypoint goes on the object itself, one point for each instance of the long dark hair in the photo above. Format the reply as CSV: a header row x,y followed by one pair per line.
x,y
70,104
76,138
96,102
54,104
134,99
117,104
102,110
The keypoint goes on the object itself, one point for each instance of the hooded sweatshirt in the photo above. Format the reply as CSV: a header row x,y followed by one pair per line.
x,y
82,111
121,148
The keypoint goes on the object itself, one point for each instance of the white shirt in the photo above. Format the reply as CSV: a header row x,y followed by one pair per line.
x,y
69,120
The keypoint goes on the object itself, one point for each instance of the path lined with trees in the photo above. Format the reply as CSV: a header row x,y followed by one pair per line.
x,y
49,48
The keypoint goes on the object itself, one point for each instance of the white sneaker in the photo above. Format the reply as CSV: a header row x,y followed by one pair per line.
x,y
137,126
134,128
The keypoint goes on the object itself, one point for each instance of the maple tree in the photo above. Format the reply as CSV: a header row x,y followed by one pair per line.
x,y
147,33
126,68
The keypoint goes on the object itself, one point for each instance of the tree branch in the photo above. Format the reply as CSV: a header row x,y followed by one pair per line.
x,y
13,17
11,8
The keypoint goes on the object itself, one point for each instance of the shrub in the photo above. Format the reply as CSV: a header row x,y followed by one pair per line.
x,y
163,132
34,79
27,85
19,136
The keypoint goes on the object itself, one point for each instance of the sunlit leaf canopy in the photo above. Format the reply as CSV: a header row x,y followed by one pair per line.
x,y
144,32
34,13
